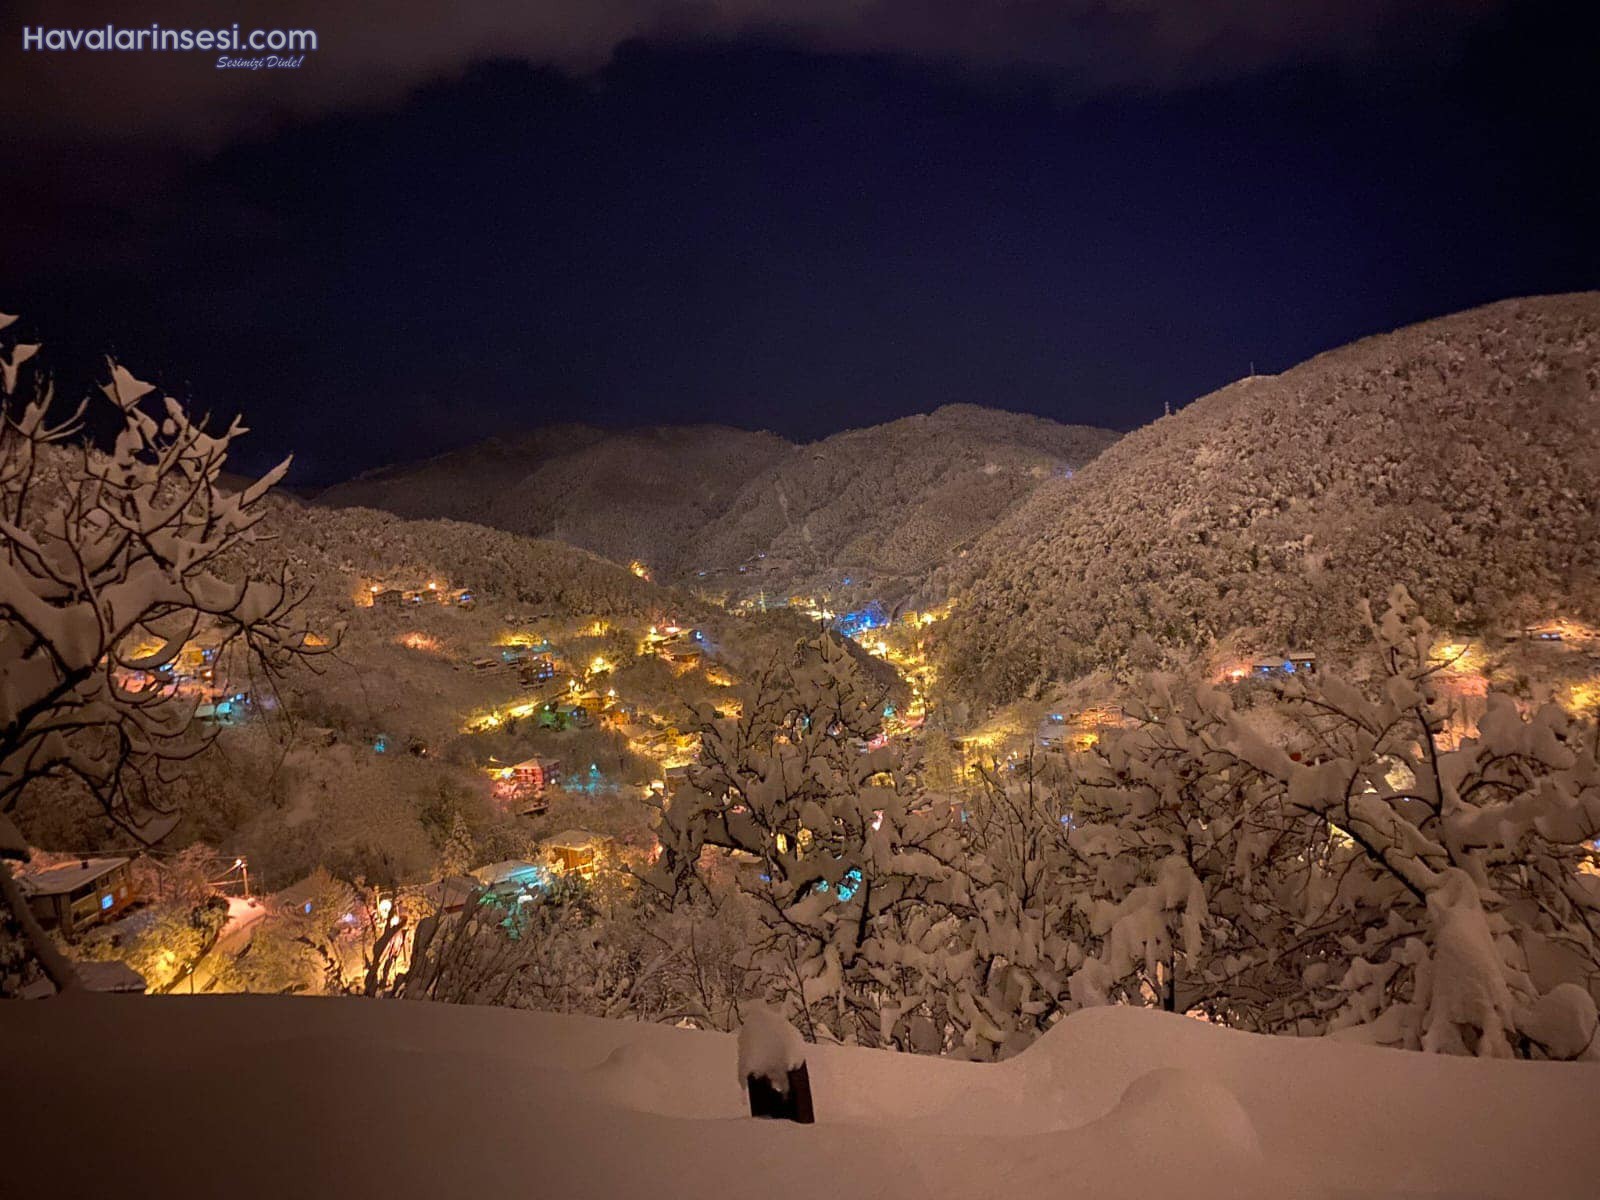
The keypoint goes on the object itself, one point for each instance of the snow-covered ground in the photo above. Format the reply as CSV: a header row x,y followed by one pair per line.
x,y
247,1096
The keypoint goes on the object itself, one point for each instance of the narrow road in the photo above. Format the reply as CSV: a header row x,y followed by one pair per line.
x,y
243,916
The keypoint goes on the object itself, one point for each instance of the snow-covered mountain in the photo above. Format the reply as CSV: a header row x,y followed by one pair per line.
x,y
1460,457
892,500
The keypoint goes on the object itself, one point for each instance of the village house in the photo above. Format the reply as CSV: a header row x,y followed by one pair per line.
x,y
680,654
1292,662
387,598
74,896
450,894
511,879
299,896
537,774
1548,631
224,710
1052,732
590,701
577,852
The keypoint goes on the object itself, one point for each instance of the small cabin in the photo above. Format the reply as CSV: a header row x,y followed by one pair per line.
x,y
536,774
465,599
577,852
681,654
450,894
565,715
77,895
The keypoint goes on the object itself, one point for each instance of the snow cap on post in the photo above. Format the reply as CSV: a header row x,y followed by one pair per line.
x,y
769,1048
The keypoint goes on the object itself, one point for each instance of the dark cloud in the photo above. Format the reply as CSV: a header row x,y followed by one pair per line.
x,y
370,54
642,214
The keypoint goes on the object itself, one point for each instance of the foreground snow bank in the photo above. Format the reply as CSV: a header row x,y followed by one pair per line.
x,y
254,1096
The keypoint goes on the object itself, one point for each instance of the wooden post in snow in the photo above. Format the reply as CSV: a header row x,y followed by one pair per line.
x,y
772,1067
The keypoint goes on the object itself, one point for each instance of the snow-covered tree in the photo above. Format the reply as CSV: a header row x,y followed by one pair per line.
x,y
1369,870
110,561
841,851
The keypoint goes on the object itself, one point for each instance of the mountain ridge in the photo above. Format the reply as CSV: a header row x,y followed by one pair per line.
x,y
698,501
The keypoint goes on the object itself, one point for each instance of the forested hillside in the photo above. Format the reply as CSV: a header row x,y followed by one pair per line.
x,y
892,501
1460,457
749,510
640,494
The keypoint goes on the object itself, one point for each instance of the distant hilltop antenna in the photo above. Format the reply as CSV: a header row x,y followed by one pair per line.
x,y
1252,368
1167,406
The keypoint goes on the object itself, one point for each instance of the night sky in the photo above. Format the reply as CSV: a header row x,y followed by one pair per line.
x,y
740,214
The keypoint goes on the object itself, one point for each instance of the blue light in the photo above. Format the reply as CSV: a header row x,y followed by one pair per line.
x,y
107,901
308,908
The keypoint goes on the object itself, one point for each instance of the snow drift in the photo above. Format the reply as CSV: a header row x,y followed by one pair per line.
x,y
250,1096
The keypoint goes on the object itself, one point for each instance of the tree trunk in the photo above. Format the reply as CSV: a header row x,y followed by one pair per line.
x,y
58,968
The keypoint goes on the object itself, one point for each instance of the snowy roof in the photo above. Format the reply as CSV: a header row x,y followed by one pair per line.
x,y
1119,1100
510,870
296,894
574,839
110,976
55,881
450,891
